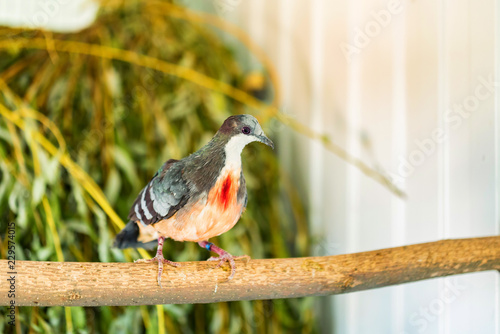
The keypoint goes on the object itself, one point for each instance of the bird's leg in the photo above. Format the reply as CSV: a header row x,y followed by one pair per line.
x,y
223,256
160,259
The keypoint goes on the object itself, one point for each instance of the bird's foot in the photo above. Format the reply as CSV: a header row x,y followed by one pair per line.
x,y
223,256
161,260
226,257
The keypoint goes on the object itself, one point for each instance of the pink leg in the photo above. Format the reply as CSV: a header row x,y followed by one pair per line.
x,y
160,259
223,256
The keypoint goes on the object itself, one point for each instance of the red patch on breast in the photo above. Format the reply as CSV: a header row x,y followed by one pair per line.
x,y
225,192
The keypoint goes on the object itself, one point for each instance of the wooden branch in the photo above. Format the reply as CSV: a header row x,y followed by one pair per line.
x,y
96,284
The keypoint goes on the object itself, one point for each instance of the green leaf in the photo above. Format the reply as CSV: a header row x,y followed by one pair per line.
x,y
104,238
49,166
127,165
78,317
5,182
57,92
77,193
13,197
38,190
5,135
44,253
22,215
56,314
216,323
78,226
113,186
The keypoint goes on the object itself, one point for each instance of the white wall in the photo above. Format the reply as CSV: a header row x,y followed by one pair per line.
x,y
380,103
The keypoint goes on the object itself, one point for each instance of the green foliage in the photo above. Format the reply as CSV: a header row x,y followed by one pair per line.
x,y
120,122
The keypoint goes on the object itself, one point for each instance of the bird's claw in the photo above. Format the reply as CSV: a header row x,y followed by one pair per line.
x,y
230,259
161,260
158,259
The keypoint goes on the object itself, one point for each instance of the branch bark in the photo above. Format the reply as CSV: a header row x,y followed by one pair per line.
x,y
96,284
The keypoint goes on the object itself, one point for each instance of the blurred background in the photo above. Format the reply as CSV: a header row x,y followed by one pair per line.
x,y
385,117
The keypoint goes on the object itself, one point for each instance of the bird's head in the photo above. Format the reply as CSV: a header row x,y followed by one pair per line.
x,y
240,130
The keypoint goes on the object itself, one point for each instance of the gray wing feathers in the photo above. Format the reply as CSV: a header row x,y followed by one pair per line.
x,y
168,191
162,197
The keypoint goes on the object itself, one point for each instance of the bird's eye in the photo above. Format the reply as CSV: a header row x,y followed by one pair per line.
x,y
246,130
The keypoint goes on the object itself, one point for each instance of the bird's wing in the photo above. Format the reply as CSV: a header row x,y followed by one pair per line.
x,y
163,196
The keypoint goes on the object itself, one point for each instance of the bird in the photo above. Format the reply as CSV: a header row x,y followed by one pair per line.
x,y
196,198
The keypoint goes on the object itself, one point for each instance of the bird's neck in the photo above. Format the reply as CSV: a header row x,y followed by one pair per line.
x,y
233,149
232,159
220,154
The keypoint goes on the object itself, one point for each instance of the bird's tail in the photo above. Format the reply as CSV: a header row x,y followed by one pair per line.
x,y
127,238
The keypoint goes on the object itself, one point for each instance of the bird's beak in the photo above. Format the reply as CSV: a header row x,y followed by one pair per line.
x,y
263,139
